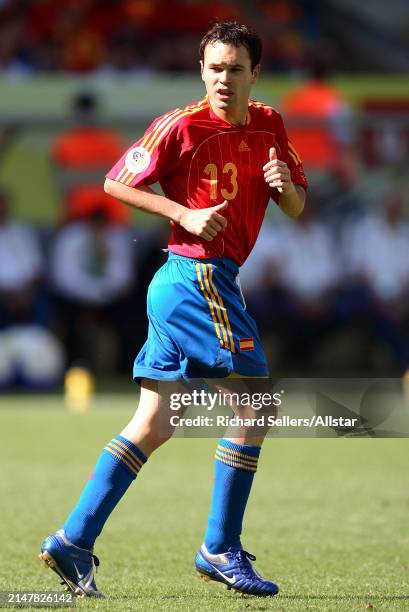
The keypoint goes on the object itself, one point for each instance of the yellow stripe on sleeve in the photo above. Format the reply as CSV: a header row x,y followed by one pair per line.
x,y
122,174
159,128
161,133
294,153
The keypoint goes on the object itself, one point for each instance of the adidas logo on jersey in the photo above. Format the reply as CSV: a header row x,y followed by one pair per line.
x,y
243,147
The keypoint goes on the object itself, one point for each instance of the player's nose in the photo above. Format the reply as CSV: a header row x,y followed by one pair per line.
x,y
224,78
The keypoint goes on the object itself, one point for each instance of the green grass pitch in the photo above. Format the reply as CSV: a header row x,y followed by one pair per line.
x,y
327,519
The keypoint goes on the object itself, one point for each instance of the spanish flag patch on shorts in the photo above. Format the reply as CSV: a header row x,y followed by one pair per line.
x,y
246,344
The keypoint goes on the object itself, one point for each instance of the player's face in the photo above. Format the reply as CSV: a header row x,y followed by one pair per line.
x,y
227,74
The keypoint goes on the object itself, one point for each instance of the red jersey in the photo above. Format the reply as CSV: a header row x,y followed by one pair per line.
x,y
200,160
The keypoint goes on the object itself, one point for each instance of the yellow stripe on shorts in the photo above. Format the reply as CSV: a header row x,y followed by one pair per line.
x,y
210,303
223,309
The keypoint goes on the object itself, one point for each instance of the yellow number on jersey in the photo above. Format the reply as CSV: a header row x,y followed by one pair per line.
x,y
211,170
229,168
230,195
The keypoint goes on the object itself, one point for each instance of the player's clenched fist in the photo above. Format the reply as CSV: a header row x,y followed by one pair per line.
x,y
204,222
277,173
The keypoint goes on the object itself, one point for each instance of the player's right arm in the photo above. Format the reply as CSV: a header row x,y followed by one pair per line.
x,y
203,222
149,160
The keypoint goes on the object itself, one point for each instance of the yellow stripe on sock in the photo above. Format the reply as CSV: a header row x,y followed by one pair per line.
x,y
237,453
123,459
235,459
128,450
236,464
122,448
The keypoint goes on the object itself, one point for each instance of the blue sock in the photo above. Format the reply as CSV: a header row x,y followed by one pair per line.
x,y
235,467
117,466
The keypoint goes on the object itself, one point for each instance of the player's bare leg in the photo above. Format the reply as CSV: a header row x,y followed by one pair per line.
x,y
69,551
148,429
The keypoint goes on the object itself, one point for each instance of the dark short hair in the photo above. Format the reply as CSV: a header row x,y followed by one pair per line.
x,y
234,33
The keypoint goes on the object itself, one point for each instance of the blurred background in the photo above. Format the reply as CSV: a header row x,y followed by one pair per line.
x,y
79,82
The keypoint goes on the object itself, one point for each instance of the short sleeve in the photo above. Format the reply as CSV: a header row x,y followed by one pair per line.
x,y
289,155
151,157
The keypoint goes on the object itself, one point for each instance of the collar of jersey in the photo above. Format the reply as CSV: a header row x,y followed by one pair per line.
x,y
227,123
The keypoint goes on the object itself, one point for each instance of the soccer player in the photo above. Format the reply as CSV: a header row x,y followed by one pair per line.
x,y
218,161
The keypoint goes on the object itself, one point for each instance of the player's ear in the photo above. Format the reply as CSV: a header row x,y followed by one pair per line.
x,y
255,74
201,69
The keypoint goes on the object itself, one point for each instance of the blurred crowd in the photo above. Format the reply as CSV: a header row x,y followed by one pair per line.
x,y
149,35
334,298
73,295
145,36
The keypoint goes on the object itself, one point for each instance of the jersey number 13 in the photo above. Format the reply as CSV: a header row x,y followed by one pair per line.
x,y
229,179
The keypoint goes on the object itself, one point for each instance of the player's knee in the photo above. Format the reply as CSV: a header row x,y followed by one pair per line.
x,y
150,426
147,433
157,433
154,441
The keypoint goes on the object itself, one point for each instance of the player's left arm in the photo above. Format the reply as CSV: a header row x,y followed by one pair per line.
x,y
277,175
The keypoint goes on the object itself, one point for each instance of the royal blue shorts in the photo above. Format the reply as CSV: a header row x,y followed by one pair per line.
x,y
198,325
